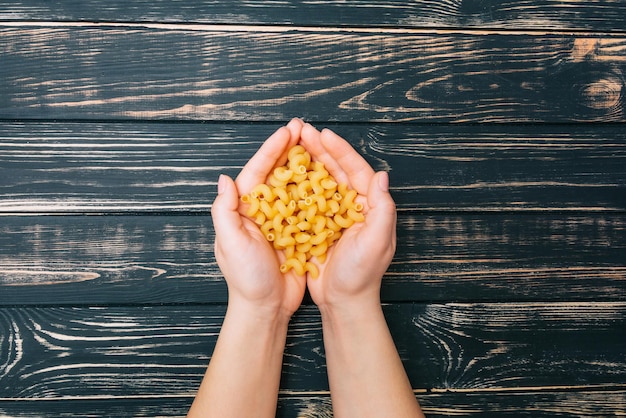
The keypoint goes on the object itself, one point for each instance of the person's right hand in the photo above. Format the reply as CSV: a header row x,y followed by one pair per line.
x,y
249,263
352,272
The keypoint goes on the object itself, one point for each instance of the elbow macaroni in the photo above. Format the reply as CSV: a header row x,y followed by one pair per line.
x,y
302,210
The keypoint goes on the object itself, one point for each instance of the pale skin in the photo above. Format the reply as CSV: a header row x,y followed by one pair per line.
x,y
365,373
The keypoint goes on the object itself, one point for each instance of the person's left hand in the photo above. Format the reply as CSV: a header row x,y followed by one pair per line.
x,y
250,264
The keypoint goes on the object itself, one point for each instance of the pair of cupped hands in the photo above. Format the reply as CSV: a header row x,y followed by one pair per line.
x,y
352,272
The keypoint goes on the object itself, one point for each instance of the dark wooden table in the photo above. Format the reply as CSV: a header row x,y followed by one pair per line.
x,y
502,125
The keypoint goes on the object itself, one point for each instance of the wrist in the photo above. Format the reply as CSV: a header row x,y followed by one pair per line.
x,y
352,311
259,315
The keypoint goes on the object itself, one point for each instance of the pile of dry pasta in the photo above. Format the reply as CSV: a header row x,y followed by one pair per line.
x,y
302,210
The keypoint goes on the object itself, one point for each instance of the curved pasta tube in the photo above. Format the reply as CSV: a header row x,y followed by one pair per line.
x,y
320,249
254,205
355,216
283,174
343,222
347,201
281,193
263,192
312,269
292,263
315,181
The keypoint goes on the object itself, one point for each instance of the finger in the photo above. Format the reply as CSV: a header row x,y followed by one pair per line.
x,y
295,126
226,219
357,171
264,160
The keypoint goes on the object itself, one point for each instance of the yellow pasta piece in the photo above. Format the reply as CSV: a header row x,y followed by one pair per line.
x,y
277,223
292,263
319,238
333,205
302,211
302,237
285,210
259,218
310,213
332,225
266,227
329,184
347,201
354,215
301,257
303,225
290,230
312,269
319,223
281,193
315,180
343,222
263,192
265,207
254,204
322,204
273,181
283,174
303,189
285,241
320,249
304,247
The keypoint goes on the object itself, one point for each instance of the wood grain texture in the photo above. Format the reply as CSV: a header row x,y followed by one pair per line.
x,y
95,71
605,15
502,127
54,353
574,404
80,260
156,167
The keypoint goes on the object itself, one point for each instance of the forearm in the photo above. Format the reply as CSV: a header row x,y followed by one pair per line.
x,y
366,375
243,376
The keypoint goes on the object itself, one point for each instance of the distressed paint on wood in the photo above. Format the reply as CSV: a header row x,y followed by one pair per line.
x,y
163,350
148,167
79,260
546,404
93,71
605,15
553,345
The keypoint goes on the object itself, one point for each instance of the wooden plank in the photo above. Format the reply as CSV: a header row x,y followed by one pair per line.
x,y
497,404
602,15
80,260
83,353
100,71
565,404
146,167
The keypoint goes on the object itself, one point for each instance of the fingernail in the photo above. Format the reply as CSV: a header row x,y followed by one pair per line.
x,y
221,184
383,181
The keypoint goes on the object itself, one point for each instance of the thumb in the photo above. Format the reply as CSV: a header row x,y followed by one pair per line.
x,y
226,219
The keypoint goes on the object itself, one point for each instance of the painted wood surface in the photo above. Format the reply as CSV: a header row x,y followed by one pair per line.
x,y
538,404
100,71
76,260
148,167
502,127
605,15
126,352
